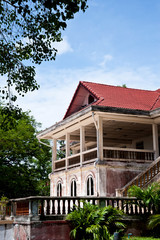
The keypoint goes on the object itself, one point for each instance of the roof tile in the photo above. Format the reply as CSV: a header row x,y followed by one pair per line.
x,y
129,98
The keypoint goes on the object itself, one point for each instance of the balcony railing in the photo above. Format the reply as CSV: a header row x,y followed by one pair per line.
x,y
54,207
75,160
128,154
109,153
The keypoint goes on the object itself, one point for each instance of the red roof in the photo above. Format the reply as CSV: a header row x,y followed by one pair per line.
x,y
113,96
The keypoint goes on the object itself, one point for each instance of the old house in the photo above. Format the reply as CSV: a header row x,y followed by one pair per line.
x,y
111,136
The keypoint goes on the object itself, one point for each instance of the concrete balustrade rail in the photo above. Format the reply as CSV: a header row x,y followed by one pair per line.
x,y
38,208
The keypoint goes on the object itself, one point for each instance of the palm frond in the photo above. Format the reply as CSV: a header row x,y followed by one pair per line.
x,y
154,220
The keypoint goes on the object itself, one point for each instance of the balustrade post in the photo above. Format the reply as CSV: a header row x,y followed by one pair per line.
x,y
13,212
131,207
30,208
33,210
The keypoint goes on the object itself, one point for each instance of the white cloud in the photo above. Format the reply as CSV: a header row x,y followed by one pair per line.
x,y
106,58
63,46
49,104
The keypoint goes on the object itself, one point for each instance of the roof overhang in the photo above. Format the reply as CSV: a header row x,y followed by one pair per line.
x,y
87,112
72,118
120,110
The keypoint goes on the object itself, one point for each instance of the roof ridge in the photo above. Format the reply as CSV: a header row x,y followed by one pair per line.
x,y
144,90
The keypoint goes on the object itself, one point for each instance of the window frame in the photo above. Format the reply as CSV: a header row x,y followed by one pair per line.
x,y
59,189
73,188
90,186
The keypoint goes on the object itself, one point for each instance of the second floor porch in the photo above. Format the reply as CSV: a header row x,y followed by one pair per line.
x,y
102,137
109,154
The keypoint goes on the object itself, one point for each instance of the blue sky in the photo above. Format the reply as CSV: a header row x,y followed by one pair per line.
x,y
114,42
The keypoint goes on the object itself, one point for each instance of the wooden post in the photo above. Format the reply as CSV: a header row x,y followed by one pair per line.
x,y
54,153
100,139
67,148
82,144
155,139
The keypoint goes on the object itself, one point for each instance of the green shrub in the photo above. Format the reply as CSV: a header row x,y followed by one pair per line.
x,y
92,222
3,204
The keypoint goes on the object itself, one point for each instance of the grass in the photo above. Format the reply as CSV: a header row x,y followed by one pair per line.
x,y
141,238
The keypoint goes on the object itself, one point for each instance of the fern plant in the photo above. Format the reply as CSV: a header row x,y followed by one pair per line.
x,y
150,196
91,222
154,221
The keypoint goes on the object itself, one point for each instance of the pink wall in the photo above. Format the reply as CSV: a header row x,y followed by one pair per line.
x,y
45,230
60,229
118,179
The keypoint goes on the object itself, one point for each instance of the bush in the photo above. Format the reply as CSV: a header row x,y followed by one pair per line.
x,y
92,222
3,204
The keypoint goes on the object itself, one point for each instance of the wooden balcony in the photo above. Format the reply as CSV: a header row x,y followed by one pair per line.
x,y
127,154
109,154
88,156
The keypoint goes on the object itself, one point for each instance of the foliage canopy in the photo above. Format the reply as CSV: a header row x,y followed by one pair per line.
x,y
28,29
25,163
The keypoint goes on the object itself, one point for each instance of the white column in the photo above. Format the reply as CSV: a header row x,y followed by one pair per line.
x,y
155,139
67,148
54,153
100,139
82,143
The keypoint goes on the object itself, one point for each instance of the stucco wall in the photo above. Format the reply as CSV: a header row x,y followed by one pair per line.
x,y
110,176
50,230
117,179
148,142
79,174
58,230
6,231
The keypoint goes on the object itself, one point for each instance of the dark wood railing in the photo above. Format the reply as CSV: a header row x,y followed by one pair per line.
x,y
109,153
51,207
143,179
74,160
128,154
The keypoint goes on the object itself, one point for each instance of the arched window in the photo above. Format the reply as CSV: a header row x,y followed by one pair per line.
x,y
73,188
90,186
90,99
59,189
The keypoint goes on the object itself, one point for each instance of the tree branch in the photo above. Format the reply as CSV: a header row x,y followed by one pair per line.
x,y
10,3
